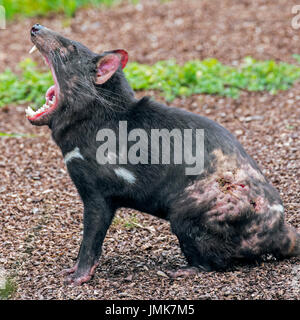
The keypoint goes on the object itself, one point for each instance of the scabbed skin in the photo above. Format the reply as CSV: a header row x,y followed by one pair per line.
x,y
229,211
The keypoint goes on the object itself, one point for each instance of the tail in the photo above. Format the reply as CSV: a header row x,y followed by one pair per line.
x,y
289,244
295,250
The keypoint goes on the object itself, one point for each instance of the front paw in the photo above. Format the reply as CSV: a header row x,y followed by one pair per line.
x,y
77,280
77,277
69,271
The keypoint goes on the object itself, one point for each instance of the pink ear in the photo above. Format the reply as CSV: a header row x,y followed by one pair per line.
x,y
107,66
123,55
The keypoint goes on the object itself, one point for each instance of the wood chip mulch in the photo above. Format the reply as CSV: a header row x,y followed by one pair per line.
x,y
40,211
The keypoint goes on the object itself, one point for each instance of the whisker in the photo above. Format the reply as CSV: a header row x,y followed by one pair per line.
x,y
107,96
92,94
111,92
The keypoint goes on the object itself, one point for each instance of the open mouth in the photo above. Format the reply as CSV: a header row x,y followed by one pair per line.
x,y
51,96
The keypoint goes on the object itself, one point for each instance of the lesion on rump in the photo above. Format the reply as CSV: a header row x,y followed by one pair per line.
x,y
226,215
233,186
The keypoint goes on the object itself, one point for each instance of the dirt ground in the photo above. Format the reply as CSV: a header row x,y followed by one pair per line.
x,y
40,211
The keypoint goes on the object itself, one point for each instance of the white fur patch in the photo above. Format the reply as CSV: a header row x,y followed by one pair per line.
x,y
277,207
73,155
125,174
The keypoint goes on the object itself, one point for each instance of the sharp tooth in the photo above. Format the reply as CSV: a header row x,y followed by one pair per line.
x,y
33,49
29,112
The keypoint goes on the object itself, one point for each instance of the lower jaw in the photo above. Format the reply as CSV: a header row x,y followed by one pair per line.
x,y
40,116
47,109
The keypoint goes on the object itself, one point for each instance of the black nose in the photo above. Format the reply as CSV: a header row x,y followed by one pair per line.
x,y
35,29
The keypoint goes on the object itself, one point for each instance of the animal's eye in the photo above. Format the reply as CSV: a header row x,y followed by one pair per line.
x,y
72,48
63,52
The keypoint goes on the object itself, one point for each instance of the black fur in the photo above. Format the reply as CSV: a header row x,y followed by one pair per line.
x,y
216,219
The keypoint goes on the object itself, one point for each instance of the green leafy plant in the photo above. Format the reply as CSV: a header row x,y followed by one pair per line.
x,y
16,135
194,77
212,77
29,87
128,222
31,8
296,57
9,289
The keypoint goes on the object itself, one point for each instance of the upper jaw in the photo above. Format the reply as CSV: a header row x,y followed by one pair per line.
x,y
42,115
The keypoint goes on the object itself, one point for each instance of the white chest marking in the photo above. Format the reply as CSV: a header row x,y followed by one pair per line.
x,y
73,155
125,174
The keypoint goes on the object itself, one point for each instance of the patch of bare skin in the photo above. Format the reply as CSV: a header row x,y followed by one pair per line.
x,y
252,244
229,188
236,187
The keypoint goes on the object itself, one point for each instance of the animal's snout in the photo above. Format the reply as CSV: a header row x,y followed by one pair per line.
x,y
35,29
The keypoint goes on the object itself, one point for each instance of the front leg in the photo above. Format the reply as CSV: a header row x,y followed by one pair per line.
x,y
97,219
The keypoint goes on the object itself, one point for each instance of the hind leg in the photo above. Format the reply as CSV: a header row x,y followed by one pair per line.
x,y
198,256
206,252
201,249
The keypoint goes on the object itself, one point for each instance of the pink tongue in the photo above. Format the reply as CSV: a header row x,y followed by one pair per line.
x,y
50,92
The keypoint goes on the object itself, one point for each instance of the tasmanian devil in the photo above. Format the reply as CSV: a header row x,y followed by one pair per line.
x,y
225,211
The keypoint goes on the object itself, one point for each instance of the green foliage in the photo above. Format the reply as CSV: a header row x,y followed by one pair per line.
x,y
32,8
16,135
30,86
131,222
9,289
212,77
194,77
296,57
